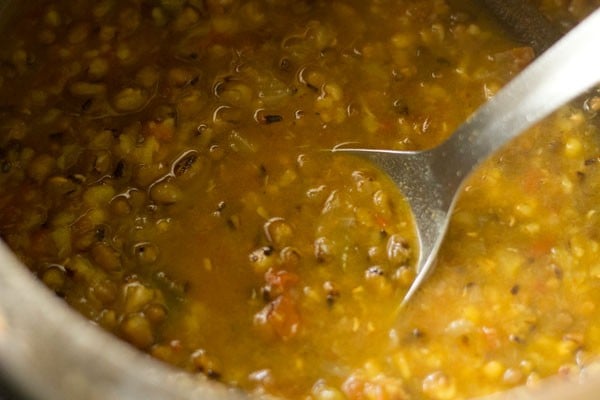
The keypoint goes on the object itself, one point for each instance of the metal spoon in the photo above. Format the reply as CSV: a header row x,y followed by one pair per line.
x,y
432,179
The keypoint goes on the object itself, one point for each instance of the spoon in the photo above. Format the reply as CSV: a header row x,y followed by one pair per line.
x,y
431,180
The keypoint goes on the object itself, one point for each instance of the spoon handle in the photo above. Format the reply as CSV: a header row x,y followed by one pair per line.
x,y
563,72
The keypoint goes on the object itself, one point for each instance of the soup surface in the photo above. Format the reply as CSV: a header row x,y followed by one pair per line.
x,y
163,170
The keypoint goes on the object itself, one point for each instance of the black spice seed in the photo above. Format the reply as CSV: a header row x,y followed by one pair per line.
x,y
557,272
100,232
119,169
515,289
231,224
86,105
331,300
140,250
374,271
285,64
400,108
515,338
266,294
332,293
184,164
56,136
270,119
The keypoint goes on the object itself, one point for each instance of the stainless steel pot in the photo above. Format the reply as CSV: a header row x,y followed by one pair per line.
x,y
48,351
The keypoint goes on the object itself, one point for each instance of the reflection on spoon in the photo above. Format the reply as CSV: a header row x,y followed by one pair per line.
x,y
432,179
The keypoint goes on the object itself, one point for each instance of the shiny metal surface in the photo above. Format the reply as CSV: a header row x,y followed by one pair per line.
x,y
50,352
431,180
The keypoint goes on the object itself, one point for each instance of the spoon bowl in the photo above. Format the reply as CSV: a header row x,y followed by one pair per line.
x,y
431,180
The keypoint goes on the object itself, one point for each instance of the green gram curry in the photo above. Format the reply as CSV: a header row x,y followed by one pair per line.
x,y
162,170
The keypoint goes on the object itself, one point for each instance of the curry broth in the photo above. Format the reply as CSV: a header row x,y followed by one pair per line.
x,y
163,171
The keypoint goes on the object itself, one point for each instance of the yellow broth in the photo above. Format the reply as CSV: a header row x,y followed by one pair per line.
x,y
163,170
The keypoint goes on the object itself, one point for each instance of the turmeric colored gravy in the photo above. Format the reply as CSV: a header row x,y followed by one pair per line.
x,y
162,170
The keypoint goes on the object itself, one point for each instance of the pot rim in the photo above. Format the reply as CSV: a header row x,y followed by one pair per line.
x,y
42,359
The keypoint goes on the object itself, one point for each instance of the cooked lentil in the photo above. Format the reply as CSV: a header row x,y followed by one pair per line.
x,y
161,170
